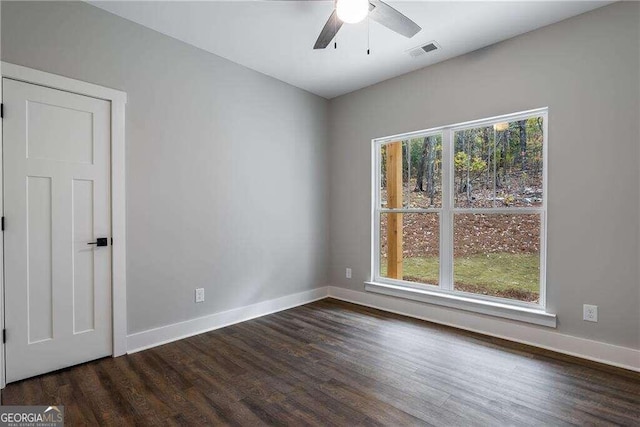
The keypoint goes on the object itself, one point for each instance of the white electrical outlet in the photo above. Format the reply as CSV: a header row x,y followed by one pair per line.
x,y
200,295
348,274
590,313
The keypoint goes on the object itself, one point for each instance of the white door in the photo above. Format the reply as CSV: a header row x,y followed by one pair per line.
x,y
56,204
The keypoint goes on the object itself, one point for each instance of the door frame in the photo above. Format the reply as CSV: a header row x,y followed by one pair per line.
x,y
118,100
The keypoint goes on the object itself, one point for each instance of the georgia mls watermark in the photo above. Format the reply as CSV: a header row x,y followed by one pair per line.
x,y
32,416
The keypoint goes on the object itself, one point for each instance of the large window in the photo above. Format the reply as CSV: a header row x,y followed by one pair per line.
x,y
461,209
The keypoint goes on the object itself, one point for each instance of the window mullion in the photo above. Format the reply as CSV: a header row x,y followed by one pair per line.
x,y
446,215
375,231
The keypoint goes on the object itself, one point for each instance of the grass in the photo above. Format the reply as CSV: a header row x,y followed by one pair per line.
x,y
499,274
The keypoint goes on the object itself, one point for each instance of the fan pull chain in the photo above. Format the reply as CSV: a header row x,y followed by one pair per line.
x,y
368,34
335,28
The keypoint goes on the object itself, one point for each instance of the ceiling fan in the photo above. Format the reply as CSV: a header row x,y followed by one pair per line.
x,y
353,11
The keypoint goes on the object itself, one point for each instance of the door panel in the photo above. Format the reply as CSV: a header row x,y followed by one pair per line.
x,y
49,122
83,271
57,201
39,271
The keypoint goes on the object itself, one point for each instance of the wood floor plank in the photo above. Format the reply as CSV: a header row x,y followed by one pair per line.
x,y
338,364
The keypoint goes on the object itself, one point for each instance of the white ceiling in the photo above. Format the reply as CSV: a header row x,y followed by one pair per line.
x,y
276,37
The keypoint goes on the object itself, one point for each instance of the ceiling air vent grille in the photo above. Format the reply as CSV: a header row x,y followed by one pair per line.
x,y
423,50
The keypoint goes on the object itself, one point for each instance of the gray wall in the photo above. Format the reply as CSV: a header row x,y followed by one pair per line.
x,y
586,70
226,168
206,209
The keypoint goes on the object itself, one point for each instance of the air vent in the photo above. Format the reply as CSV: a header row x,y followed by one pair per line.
x,y
429,47
423,50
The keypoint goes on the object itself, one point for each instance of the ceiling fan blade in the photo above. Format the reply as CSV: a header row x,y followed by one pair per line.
x,y
329,31
392,19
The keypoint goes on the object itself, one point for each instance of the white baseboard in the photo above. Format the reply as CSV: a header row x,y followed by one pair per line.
x,y
176,331
596,351
609,354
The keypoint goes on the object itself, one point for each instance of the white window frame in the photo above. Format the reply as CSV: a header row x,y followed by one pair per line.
x,y
446,213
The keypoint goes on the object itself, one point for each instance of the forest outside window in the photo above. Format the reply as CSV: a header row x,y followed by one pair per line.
x,y
461,209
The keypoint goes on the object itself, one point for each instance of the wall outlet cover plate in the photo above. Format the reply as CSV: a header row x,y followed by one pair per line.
x,y
200,295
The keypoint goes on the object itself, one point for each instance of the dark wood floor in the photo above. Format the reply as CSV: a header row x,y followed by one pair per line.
x,y
333,363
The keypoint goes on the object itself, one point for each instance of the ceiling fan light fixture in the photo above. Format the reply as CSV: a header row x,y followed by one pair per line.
x,y
352,11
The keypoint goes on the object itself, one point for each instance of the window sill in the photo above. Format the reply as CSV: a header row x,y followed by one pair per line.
x,y
522,314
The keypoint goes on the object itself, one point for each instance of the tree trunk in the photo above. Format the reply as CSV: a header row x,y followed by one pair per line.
x,y
430,142
502,160
487,149
422,166
522,128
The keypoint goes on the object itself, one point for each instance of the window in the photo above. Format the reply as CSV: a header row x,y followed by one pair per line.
x,y
461,209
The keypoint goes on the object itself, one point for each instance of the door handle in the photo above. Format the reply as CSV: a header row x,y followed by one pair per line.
x,y
100,241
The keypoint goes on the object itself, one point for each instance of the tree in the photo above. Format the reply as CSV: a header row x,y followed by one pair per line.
x,y
431,143
522,155
426,160
469,169
422,165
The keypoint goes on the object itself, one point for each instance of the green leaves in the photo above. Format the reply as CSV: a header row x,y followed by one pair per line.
x,y
462,163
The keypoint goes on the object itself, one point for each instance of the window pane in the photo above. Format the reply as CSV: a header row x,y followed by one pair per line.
x,y
499,165
411,173
519,163
394,175
425,180
415,256
473,167
497,255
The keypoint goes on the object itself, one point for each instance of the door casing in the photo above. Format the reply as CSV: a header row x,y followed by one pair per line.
x,y
118,100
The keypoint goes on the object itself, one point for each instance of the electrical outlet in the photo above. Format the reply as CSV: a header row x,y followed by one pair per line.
x,y
590,313
200,295
348,274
